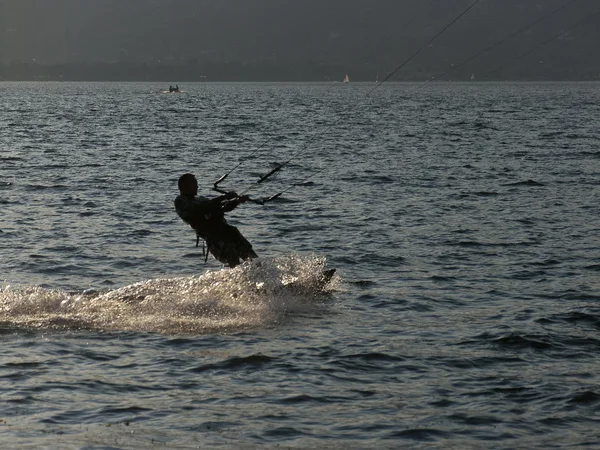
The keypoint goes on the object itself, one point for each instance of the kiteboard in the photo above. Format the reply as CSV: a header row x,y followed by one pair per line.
x,y
326,276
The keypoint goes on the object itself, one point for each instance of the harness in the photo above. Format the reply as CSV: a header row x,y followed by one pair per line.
x,y
204,250
202,228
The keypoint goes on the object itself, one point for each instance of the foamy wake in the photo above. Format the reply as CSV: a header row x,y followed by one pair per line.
x,y
261,293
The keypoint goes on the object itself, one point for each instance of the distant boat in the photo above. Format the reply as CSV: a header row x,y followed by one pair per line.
x,y
173,90
472,76
346,79
377,79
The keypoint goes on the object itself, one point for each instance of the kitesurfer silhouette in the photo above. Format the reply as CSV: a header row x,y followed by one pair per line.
x,y
207,217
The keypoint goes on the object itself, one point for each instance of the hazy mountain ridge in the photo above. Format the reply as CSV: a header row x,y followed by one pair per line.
x,y
288,40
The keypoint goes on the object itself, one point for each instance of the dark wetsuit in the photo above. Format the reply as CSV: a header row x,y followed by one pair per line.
x,y
207,217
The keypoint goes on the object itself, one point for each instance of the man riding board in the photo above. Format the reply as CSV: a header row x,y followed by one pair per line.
x,y
207,217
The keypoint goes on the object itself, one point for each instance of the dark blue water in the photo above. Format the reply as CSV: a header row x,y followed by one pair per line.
x,y
463,220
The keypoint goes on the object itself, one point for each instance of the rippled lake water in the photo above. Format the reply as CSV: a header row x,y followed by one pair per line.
x,y
462,219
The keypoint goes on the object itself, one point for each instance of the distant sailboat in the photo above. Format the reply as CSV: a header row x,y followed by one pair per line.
x,y
346,79
377,79
472,76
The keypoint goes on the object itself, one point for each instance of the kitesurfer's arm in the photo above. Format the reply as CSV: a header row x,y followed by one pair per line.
x,y
189,208
231,204
221,198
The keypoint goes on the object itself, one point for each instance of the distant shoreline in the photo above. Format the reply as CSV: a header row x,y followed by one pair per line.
x,y
239,72
370,83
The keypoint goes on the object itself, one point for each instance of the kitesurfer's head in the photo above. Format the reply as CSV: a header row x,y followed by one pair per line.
x,y
187,184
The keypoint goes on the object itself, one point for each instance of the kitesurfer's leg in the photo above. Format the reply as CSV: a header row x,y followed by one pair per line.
x,y
243,248
230,247
224,251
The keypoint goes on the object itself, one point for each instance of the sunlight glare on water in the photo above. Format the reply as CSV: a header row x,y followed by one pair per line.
x,y
251,295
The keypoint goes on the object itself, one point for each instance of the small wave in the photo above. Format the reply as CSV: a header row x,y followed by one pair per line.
x,y
518,341
525,183
467,195
575,318
287,432
142,233
593,153
473,243
484,125
585,398
546,262
440,278
40,187
419,434
235,363
375,356
514,340
576,295
254,294
305,398
369,178
363,283
370,362
551,134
